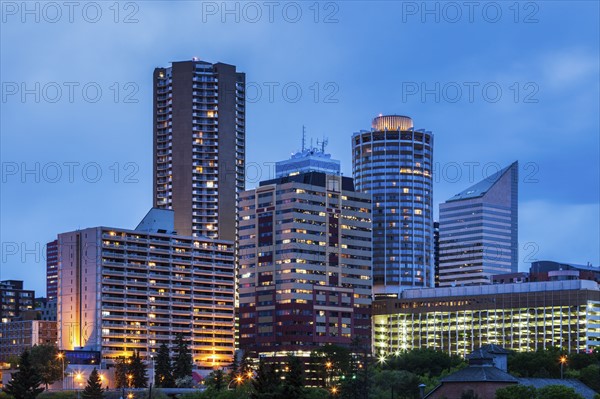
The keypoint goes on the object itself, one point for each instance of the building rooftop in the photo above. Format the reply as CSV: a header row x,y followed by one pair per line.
x,y
481,188
479,374
493,289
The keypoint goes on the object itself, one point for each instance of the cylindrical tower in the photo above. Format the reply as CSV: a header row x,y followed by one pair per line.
x,y
393,162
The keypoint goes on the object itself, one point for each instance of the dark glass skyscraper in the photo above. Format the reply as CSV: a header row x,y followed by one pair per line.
x,y
393,162
199,146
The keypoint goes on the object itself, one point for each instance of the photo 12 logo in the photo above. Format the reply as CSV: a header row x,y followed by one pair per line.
x,y
69,92
470,92
68,172
53,12
253,12
452,12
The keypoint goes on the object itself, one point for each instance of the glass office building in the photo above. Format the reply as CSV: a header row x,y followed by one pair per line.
x,y
393,162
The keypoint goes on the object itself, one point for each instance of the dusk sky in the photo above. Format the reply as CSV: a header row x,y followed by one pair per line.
x,y
494,81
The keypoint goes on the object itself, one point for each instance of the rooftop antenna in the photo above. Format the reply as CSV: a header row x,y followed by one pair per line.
x,y
303,137
323,144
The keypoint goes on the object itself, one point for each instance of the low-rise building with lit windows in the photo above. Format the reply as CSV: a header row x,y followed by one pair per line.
x,y
17,336
521,317
121,291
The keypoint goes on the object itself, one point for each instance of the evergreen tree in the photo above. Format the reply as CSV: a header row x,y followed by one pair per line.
x,y
44,359
266,384
182,362
137,369
234,367
163,377
216,380
121,374
93,389
293,386
25,383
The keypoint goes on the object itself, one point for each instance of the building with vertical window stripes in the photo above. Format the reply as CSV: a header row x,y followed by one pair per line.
x,y
478,235
51,269
521,317
122,291
393,164
199,154
304,275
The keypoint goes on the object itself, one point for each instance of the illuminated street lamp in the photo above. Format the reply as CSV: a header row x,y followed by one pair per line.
x,y
61,356
563,361
239,379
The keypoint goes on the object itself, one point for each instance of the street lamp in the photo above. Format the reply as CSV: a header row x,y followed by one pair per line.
x,y
78,377
563,361
328,366
237,379
422,390
61,356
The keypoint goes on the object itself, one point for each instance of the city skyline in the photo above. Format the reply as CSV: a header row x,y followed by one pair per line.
x,y
556,223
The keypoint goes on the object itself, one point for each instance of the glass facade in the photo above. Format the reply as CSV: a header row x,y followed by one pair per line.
x,y
479,231
395,167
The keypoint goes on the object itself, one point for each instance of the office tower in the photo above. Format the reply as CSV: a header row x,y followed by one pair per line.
x,y
304,275
199,146
521,317
479,231
123,290
14,300
393,163
51,269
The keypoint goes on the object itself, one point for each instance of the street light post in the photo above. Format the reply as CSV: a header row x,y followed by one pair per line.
x,y
61,356
422,390
563,360
237,379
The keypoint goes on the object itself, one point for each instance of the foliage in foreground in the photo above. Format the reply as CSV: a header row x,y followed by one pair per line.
x,y
527,392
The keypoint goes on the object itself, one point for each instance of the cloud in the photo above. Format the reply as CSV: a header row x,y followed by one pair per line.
x,y
569,67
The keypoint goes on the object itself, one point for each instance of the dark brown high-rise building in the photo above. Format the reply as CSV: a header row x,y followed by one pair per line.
x,y
199,145
51,269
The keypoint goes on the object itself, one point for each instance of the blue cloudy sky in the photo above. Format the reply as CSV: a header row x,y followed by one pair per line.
x,y
495,82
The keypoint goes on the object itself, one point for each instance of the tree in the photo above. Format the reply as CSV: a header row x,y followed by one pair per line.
x,y
216,380
182,362
266,384
293,386
163,377
25,383
543,363
93,389
423,361
590,376
396,383
137,370
121,374
517,392
558,392
44,360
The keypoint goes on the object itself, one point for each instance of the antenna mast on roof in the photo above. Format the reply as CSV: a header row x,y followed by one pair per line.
x,y
303,137
323,144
